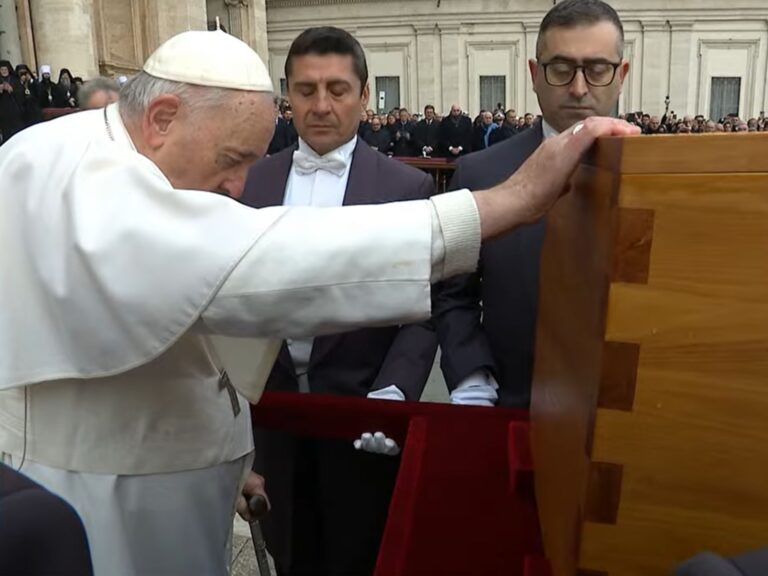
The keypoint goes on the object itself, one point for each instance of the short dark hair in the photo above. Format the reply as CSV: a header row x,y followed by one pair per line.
x,y
429,107
328,40
572,13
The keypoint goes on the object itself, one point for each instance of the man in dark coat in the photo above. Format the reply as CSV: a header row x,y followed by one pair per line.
x,y
11,102
486,321
329,500
426,136
455,134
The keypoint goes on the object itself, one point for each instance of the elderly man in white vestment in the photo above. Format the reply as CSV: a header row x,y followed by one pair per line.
x,y
120,268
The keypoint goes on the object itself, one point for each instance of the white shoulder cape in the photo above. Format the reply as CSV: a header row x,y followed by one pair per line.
x,y
103,265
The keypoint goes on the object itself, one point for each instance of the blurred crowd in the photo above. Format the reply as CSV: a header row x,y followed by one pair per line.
x,y
26,95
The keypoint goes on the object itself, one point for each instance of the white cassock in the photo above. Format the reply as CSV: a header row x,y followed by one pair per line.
x,y
115,286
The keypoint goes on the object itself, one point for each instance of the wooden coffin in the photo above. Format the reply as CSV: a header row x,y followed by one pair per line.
x,y
650,400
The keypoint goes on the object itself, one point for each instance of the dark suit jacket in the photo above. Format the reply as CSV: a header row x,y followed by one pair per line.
x,y
427,135
453,135
348,490
381,140
403,139
39,532
498,335
280,139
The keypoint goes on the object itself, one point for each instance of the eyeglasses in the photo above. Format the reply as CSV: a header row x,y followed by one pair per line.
x,y
561,73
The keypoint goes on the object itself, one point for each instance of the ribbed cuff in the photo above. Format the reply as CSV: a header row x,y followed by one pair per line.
x,y
460,225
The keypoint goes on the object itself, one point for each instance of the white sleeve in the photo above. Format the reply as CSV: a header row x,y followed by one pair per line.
x,y
324,270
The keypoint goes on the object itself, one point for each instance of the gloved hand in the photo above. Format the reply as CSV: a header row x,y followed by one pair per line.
x,y
477,389
377,443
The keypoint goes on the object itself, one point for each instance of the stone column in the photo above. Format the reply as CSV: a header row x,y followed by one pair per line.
x,y
166,18
10,44
427,63
449,47
256,13
530,102
65,36
682,87
655,71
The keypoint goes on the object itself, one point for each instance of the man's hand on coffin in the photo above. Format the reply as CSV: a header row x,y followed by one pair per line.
x,y
254,485
377,443
534,188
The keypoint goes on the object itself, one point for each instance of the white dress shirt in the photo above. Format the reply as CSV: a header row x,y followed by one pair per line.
x,y
321,189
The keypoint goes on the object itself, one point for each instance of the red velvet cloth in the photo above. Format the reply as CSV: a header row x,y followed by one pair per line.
x,y
463,502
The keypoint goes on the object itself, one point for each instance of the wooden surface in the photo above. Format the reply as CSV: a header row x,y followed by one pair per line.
x,y
680,447
683,154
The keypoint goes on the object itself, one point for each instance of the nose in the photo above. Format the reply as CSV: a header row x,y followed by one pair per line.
x,y
233,186
322,103
579,87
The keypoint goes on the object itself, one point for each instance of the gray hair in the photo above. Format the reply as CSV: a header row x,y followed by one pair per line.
x,y
141,89
88,89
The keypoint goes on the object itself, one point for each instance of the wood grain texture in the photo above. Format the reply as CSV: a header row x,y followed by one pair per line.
x,y
569,344
682,154
601,504
693,443
618,376
632,249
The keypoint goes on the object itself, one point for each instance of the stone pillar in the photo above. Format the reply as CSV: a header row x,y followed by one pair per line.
x,y
449,47
427,63
256,14
166,18
10,44
655,71
682,86
65,36
529,103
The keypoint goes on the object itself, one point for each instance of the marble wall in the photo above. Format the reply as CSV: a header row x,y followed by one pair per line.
x,y
440,49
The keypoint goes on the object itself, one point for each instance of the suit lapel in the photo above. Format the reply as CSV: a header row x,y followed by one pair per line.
x,y
270,191
361,184
361,189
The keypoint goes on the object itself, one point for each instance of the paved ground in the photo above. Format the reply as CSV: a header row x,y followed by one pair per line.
x,y
244,559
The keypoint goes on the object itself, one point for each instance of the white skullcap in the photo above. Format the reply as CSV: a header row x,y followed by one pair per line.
x,y
211,58
45,69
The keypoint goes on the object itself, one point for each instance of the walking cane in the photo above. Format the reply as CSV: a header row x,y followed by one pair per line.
x,y
257,505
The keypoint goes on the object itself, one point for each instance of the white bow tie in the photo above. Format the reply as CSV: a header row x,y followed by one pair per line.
x,y
308,164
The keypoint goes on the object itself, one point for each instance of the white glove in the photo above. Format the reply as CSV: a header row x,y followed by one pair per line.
x,y
377,443
477,389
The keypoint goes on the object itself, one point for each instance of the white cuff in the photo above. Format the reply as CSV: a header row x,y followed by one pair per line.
x,y
389,393
459,222
477,389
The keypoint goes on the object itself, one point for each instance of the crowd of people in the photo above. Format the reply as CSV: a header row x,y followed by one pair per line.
x,y
24,95
401,133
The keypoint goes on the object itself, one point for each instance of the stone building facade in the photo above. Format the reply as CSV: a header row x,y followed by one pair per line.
x,y
708,57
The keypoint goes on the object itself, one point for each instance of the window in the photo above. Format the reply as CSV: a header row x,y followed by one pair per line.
x,y
387,93
283,86
724,97
493,90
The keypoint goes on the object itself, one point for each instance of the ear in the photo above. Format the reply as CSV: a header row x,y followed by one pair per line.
x,y
365,96
159,118
533,66
623,70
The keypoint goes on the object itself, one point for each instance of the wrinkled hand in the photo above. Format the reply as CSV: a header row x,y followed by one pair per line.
x,y
535,187
377,443
253,485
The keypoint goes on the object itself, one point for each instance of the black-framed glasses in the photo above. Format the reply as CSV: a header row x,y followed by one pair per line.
x,y
562,73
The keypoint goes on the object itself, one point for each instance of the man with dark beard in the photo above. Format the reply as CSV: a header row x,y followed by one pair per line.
x,y
11,102
50,94
31,90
